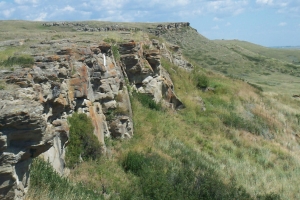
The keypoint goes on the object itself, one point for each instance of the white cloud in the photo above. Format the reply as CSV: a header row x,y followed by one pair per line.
x,y
282,24
215,27
181,2
85,4
41,17
26,1
8,13
228,24
68,8
227,7
217,19
139,10
265,2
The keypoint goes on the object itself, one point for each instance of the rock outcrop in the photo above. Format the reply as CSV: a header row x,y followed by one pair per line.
x,y
144,71
73,78
117,27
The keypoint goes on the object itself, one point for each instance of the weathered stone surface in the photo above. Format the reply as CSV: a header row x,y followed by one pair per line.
x,y
149,79
153,57
24,135
176,57
121,127
129,48
86,79
56,153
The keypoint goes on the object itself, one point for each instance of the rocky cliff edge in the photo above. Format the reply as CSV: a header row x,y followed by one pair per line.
x,y
73,78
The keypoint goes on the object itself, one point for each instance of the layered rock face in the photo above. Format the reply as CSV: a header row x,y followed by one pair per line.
x,y
73,78
143,69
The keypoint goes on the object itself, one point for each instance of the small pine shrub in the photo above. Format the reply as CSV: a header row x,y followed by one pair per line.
x,y
82,140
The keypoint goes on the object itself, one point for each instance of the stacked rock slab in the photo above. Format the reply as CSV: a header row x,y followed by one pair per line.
x,y
72,78
144,71
34,113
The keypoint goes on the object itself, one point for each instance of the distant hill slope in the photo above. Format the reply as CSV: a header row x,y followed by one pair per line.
x,y
272,69
291,55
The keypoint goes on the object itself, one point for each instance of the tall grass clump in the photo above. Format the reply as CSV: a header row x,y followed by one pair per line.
x,y
22,60
115,51
147,101
83,143
192,178
45,183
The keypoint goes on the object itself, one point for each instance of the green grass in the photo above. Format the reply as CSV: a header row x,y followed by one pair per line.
x,y
287,55
115,51
247,61
147,101
45,183
21,60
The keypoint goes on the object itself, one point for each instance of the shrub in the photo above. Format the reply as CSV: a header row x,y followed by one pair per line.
x,y
271,196
133,162
163,179
202,81
22,60
147,101
82,140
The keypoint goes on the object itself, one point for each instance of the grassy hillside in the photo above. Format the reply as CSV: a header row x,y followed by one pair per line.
x,y
287,55
275,70
245,145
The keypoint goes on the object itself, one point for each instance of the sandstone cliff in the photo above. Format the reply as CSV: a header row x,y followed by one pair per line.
x,y
71,77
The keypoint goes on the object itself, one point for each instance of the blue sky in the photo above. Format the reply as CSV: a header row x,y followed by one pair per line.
x,y
264,22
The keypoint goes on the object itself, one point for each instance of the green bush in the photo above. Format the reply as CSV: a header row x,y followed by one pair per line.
x,y
255,125
133,162
159,178
82,140
147,101
202,81
271,196
22,60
